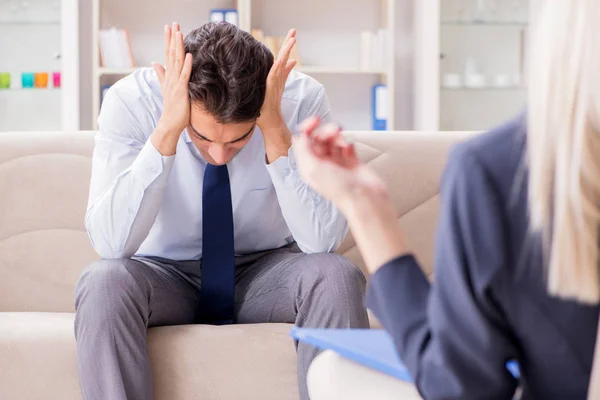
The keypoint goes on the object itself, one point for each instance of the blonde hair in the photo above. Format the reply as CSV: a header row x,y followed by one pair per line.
x,y
563,138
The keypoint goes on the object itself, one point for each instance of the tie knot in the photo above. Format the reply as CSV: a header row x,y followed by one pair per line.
x,y
216,175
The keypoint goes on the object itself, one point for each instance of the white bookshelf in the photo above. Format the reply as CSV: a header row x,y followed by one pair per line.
x,y
329,45
100,71
309,70
305,69
493,34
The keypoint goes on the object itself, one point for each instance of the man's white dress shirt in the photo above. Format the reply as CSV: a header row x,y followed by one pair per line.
x,y
142,203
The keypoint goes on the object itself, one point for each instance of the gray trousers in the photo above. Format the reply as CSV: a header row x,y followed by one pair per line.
x,y
117,300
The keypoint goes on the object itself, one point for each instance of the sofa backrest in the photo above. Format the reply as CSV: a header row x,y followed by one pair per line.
x,y
44,183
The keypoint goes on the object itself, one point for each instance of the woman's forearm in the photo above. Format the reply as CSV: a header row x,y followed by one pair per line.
x,y
374,225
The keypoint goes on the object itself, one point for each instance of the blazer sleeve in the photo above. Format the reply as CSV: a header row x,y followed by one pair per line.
x,y
452,335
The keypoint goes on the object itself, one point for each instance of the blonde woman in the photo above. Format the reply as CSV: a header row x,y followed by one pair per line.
x,y
517,273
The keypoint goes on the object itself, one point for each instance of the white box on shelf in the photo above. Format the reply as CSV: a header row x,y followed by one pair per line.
x,y
452,81
475,81
502,80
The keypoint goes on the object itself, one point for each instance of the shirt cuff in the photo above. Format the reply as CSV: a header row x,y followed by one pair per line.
x,y
152,168
283,170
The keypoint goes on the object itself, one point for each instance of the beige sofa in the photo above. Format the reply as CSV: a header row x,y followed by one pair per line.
x,y
44,180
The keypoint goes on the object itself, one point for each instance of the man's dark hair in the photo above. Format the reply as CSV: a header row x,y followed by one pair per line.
x,y
229,72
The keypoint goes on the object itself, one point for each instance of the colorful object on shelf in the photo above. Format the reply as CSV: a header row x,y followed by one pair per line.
x,y
4,80
56,79
27,79
41,79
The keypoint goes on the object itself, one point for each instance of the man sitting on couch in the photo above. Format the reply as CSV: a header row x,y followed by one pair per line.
x,y
199,213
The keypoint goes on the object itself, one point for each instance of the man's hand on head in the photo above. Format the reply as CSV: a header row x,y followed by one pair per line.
x,y
174,87
277,136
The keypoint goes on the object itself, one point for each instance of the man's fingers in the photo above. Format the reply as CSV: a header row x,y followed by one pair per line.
x,y
160,71
274,72
289,67
167,34
179,52
286,50
186,72
173,45
291,33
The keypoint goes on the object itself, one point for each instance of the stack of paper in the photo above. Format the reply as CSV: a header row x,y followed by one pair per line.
x,y
115,49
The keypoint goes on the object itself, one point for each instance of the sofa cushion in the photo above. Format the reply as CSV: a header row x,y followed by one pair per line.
x,y
190,362
411,164
44,184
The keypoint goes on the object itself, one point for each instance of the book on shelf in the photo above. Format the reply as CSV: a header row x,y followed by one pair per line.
x,y
115,49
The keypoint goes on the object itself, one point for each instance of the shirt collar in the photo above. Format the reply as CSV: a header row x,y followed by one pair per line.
x,y
186,136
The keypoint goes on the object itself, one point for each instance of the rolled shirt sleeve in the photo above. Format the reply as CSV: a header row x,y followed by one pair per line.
x,y
316,224
129,176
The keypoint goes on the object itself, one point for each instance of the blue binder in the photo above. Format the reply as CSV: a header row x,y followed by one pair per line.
x,y
372,348
380,107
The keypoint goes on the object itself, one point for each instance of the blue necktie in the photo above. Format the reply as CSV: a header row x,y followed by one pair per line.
x,y
217,275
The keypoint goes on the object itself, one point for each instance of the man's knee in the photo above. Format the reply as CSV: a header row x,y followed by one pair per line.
x,y
336,272
338,268
332,292
106,284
